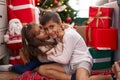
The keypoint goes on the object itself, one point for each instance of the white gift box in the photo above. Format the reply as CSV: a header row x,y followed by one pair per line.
x,y
3,27
3,14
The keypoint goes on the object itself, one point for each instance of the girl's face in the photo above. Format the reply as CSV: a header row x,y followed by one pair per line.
x,y
53,29
40,33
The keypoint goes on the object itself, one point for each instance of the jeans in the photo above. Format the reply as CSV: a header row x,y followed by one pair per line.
x,y
19,68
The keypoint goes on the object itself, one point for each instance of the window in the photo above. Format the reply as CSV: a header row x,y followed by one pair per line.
x,y
83,6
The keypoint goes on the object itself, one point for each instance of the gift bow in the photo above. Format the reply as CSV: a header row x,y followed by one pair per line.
x,y
98,17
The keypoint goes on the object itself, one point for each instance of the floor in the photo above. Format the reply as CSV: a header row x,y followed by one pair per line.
x,y
7,75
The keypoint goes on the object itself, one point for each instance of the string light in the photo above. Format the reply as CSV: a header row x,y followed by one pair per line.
x,y
69,10
65,10
51,5
62,2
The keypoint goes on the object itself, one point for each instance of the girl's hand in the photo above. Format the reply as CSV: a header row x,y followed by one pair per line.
x,y
52,51
57,50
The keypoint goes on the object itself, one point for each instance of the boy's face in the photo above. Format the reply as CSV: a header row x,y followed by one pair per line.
x,y
52,28
41,33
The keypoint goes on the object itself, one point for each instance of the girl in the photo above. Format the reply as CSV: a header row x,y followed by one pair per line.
x,y
35,44
75,56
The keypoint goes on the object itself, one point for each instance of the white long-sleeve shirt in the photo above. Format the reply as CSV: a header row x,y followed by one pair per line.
x,y
74,50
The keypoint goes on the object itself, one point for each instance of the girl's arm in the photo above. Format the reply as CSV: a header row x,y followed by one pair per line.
x,y
23,57
57,50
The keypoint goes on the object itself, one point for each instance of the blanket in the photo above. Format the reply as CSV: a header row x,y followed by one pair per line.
x,y
30,75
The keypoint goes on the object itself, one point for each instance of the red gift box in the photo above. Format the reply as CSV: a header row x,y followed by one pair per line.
x,y
104,39
100,17
23,10
21,2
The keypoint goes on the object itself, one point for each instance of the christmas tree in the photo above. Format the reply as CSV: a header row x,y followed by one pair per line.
x,y
62,7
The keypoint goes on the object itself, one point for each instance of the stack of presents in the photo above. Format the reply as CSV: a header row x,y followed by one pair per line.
x,y
26,12
100,36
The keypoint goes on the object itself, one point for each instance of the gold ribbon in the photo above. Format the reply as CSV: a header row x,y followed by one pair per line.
x,y
98,17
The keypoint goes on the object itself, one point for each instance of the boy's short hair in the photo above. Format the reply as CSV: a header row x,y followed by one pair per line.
x,y
50,16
